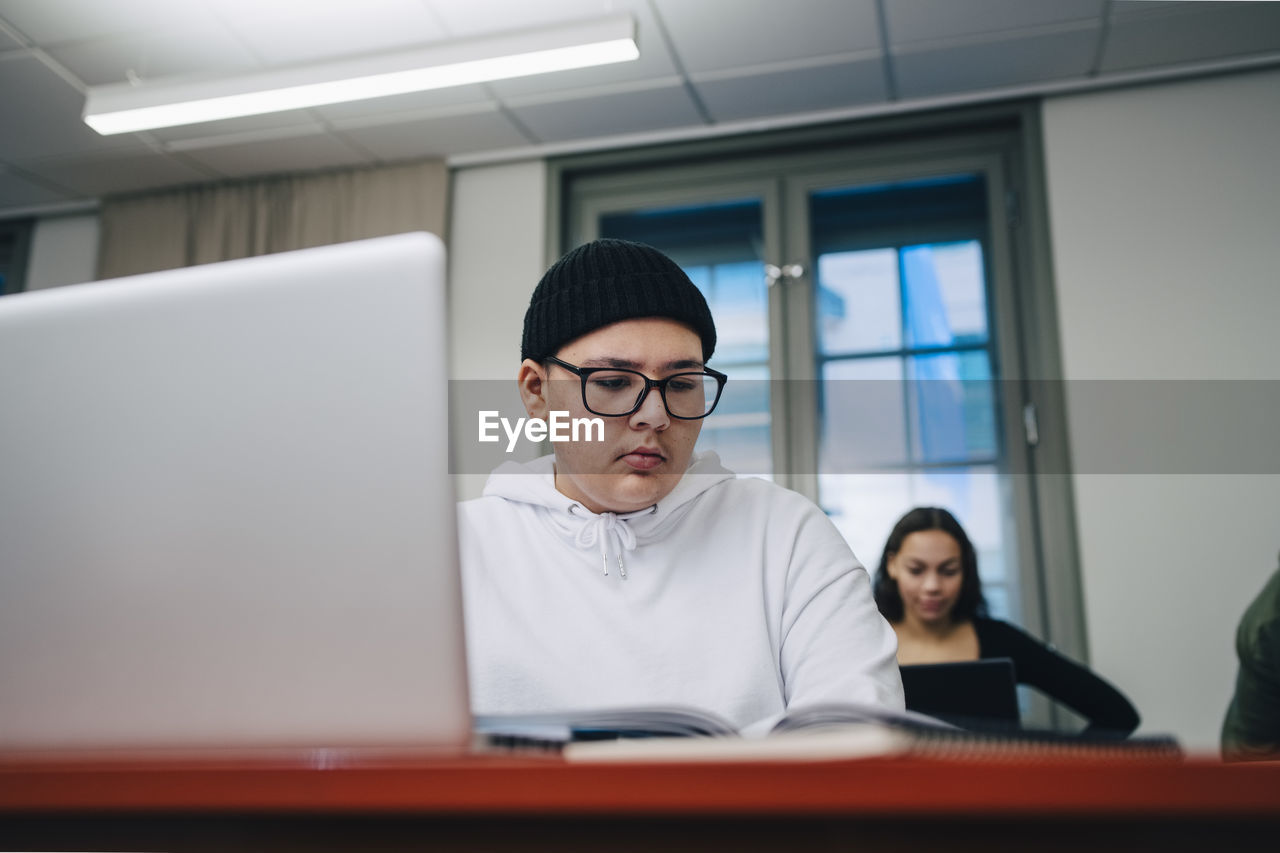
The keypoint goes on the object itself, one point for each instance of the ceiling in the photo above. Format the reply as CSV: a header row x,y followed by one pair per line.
x,y
706,66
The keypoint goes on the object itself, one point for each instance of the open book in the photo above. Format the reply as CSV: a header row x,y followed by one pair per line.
x,y
681,733
814,733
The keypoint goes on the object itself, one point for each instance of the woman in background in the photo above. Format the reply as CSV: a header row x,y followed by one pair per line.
x,y
927,586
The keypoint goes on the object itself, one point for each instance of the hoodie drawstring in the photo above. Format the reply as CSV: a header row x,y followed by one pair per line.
x,y
607,528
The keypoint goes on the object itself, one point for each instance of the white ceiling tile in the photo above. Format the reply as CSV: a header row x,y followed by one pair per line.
x,y
992,65
654,63
50,22
299,31
708,36
609,115
810,89
18,191
443,136
746,58
414,102
41,115
298,154
153,54
467,18
929,20
1191,32
118,173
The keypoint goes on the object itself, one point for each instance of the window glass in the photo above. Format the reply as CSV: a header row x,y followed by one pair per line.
x,y
945,295
739,428
863,411
739,302
952,410
859,304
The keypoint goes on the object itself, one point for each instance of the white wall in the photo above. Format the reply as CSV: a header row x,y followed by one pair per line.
x,y
497,244
1164,206
497,240
64,250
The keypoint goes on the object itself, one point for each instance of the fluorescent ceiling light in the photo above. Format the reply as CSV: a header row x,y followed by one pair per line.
x,y
123,108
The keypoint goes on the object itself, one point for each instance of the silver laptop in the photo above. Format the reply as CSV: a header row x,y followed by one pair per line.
x,y
226,520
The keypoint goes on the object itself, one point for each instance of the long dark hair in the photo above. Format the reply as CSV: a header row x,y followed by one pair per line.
x,y
970,602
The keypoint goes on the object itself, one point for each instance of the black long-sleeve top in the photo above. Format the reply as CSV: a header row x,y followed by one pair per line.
x,y
1058,677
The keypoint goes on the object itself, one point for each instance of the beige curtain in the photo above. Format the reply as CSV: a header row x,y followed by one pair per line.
x,y
218,222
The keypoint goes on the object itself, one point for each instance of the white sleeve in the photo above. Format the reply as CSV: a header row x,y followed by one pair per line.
x,y
836,647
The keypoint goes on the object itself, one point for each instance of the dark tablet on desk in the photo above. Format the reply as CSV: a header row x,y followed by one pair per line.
x,y
972,694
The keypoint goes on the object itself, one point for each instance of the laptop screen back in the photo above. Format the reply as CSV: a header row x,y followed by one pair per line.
x,y
972,694
226,519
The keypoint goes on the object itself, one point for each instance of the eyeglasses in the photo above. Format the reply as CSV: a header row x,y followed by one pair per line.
x,y
614,392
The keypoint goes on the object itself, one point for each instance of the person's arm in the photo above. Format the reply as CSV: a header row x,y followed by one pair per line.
x,y
1251,729
1252,725
836,647
1059,677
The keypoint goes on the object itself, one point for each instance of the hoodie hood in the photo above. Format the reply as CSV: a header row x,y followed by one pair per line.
x,y
612,533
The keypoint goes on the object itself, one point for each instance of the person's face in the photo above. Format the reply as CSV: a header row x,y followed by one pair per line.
x,y
928,572
643,454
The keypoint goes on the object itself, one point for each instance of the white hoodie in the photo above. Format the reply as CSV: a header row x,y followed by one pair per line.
x,y
731,595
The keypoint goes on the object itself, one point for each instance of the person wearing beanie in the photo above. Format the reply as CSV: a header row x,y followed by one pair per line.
x,y
626,570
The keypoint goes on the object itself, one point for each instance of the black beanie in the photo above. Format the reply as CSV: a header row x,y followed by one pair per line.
x,y
605,281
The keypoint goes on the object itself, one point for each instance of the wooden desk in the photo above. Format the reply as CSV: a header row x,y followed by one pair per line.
x,y
323,802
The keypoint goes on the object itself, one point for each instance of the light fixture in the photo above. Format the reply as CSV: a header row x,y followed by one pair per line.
x,y
124,107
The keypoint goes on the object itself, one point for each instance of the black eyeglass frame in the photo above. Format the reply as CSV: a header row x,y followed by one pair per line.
x,y
583,373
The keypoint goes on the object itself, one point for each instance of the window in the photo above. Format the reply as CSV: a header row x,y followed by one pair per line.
x,y
880,317
907,412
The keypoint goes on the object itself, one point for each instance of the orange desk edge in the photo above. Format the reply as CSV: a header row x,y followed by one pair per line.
x,y
479,785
